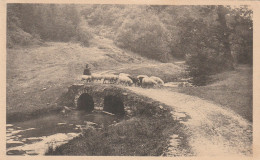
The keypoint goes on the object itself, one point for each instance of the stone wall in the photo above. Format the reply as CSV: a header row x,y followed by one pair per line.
x,y
133,104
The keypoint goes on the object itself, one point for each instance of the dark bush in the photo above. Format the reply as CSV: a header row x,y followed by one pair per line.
x,y
199,69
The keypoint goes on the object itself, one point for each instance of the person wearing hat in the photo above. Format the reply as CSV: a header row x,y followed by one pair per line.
x,y
87,70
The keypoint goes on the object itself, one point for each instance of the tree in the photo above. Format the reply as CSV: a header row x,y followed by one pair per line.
x,y
223,37
241,24
27,23
208,40
144,34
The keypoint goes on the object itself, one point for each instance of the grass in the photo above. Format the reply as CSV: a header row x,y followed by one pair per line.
x,y
231,89
138,136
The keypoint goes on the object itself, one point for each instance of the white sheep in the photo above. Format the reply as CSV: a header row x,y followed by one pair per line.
x,y
185,84
96,77
148,82
124,74
110,78
158,80
140,78
88,78
124,80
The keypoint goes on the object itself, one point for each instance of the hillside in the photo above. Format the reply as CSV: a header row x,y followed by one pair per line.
x,y
38,75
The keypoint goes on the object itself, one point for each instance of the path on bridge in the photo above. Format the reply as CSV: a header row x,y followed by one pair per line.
x,y
212,129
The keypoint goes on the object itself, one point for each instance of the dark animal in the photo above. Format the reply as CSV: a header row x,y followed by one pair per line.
x,y
135,80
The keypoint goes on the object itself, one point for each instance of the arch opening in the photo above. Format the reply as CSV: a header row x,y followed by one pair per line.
x,y
85,102
114,104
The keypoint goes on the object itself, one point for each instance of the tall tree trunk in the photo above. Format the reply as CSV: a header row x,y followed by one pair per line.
x,y
228,58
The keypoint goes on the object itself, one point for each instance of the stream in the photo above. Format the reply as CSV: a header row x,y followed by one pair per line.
x,y
34,137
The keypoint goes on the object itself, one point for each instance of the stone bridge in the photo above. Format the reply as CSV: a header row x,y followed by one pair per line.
x,y
110,98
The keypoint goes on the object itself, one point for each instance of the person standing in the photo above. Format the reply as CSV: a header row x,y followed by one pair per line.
x,y
87,70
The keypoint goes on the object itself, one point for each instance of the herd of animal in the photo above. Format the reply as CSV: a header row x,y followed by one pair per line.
x,y
124,79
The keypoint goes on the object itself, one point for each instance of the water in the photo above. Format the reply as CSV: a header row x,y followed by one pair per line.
x,y
33,137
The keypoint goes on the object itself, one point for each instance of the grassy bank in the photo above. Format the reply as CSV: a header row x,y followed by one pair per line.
x,y
134,137
142,135
231,89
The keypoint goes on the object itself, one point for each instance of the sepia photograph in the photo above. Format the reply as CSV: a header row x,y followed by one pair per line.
x,y
129,80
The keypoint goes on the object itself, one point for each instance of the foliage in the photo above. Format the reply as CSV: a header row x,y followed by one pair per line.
x,y
203,52
83,34
210,38
240,21
148,37
208,43
21,38
49,22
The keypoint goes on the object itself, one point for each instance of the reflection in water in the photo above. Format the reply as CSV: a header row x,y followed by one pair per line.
x,y
33,137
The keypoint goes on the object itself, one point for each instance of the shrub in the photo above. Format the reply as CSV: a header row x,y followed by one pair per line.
x,y
198,69
21,38
144,34
83,35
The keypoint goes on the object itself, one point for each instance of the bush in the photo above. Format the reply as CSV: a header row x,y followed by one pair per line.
x,y
83,35
198,69
203,63
206,50
144,34
21,38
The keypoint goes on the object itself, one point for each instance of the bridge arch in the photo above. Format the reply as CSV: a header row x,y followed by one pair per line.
x,y
85,102
114,104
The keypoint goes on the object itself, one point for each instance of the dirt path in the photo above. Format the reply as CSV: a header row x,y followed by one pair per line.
x,y
213,130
